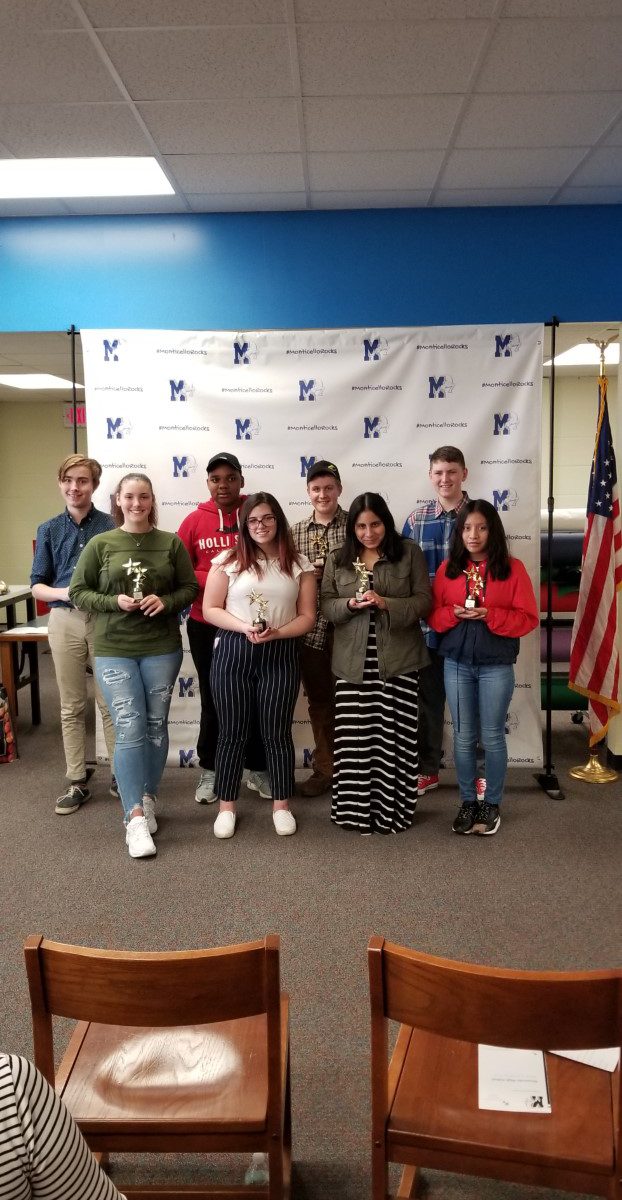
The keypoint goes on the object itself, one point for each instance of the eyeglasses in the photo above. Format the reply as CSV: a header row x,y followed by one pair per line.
x,y
255,522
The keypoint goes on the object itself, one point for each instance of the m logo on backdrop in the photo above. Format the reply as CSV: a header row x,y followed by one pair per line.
x,y
504,500
374,349
186,757
511,722
307,758
180,389
246,428
375,427
505,423
305,465
186,687
506,344
110,349
440,386
309,389
183,466
117,427
243,351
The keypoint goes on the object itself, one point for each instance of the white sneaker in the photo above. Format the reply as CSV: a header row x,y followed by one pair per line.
x,y
205,793
138,839
149,803
224,825
259,781
284,822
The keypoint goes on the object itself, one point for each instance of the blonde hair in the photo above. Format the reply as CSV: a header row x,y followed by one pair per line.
x,y
79,460
115,509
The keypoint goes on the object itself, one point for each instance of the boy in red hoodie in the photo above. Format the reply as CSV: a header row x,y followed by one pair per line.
x,y
211,528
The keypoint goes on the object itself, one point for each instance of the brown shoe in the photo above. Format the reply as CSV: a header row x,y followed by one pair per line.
x,y
316,785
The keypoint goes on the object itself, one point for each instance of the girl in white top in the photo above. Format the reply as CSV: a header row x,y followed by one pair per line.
x,y
262,594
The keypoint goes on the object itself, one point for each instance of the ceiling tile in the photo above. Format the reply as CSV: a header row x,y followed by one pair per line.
x,y
92,206
556,119
373,199
556,54
199,64
379,123
51,67
223,126
388,59
590,195
603,168
207,173
509,168
64,130
144,13
32,208
391,10
491,197
248,202
38,14
371,172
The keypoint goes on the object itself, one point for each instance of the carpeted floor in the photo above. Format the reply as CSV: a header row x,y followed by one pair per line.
x,y
545,893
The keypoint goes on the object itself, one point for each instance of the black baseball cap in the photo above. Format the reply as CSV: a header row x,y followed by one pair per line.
x,y
225,457
322,467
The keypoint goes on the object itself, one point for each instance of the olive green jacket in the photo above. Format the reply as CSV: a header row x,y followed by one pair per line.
x,y
405,585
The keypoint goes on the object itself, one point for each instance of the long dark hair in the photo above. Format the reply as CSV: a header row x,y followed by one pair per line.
x,y
115,509
247,554
392,545
496,550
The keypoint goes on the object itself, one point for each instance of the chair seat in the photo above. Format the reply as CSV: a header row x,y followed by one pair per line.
x,y
208,1077
435,1108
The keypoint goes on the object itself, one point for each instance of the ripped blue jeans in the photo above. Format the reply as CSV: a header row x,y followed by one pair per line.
x,y
138,694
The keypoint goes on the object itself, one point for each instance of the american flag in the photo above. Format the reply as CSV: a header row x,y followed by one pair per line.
x,y
594,659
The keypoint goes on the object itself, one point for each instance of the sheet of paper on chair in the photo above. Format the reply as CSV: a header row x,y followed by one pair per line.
x,y
605,1060
512,1080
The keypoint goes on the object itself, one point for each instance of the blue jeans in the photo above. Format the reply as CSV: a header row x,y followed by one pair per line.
x,y
138,694
478,698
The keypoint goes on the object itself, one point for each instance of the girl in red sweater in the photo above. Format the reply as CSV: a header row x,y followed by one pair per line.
x,y
483,603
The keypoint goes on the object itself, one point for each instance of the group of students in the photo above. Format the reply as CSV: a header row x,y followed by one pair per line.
x,y
374,673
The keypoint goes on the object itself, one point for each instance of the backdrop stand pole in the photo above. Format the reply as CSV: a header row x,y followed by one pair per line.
x,y
72,332
548,780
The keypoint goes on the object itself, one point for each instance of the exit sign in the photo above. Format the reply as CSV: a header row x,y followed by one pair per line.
x,y
68,415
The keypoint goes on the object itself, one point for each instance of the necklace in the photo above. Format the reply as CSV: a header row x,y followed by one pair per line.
x,y
138,541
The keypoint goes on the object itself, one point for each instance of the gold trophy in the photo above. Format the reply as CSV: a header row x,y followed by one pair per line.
x,y
319,541
259,623
137,573
475,586
362,579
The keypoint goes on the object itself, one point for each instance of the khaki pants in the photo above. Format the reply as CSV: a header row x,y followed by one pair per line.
x,y
70,635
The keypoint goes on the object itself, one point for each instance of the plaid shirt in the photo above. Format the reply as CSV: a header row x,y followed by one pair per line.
x,y
431,527
303,533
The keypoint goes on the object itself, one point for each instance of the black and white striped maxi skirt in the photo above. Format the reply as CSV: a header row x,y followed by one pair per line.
x,y
376,764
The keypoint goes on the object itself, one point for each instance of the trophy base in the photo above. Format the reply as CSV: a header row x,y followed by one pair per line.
x,y
470,603
359,596
260,626
137,596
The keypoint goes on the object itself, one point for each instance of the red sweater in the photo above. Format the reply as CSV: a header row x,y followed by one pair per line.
x,y
205,533
511,603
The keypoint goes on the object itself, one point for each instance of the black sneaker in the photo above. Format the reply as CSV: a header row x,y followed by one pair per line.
x,y
466,818
488,819
72,799
114,788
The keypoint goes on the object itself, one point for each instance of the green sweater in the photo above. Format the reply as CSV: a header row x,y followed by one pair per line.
x,y
101,575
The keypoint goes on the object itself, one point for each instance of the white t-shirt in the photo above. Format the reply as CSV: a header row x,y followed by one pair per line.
x,y
279,590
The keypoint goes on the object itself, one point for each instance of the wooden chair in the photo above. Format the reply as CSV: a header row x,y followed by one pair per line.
x,y
184,1052
425,1102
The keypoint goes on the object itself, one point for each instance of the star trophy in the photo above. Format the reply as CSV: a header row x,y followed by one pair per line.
x,y
137,573
475,587
319,541
259,623
362,579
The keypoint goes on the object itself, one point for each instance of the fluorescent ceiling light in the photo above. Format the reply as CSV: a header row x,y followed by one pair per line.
x,y
62,178
586,355
38,383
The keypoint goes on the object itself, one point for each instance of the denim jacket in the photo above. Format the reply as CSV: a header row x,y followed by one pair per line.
x,y
401,647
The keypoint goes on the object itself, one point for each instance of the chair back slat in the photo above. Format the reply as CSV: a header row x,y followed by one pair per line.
x,y
524,1009
151,989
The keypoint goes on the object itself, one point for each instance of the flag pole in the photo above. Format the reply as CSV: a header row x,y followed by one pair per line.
x,y
593,771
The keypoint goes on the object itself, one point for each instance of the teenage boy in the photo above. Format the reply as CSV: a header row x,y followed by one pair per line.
x,y
206,532
70,632
322,531
431,526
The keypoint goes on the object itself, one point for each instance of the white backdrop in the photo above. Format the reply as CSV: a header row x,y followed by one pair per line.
x,y
376,402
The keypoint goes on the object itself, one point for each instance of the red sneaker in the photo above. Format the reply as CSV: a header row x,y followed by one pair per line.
x,y
426,783
480,788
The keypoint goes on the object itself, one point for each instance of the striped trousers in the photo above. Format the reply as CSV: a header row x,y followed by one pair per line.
x,y
249,680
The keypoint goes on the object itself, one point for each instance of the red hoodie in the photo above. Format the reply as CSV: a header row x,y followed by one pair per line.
x,y
205,533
